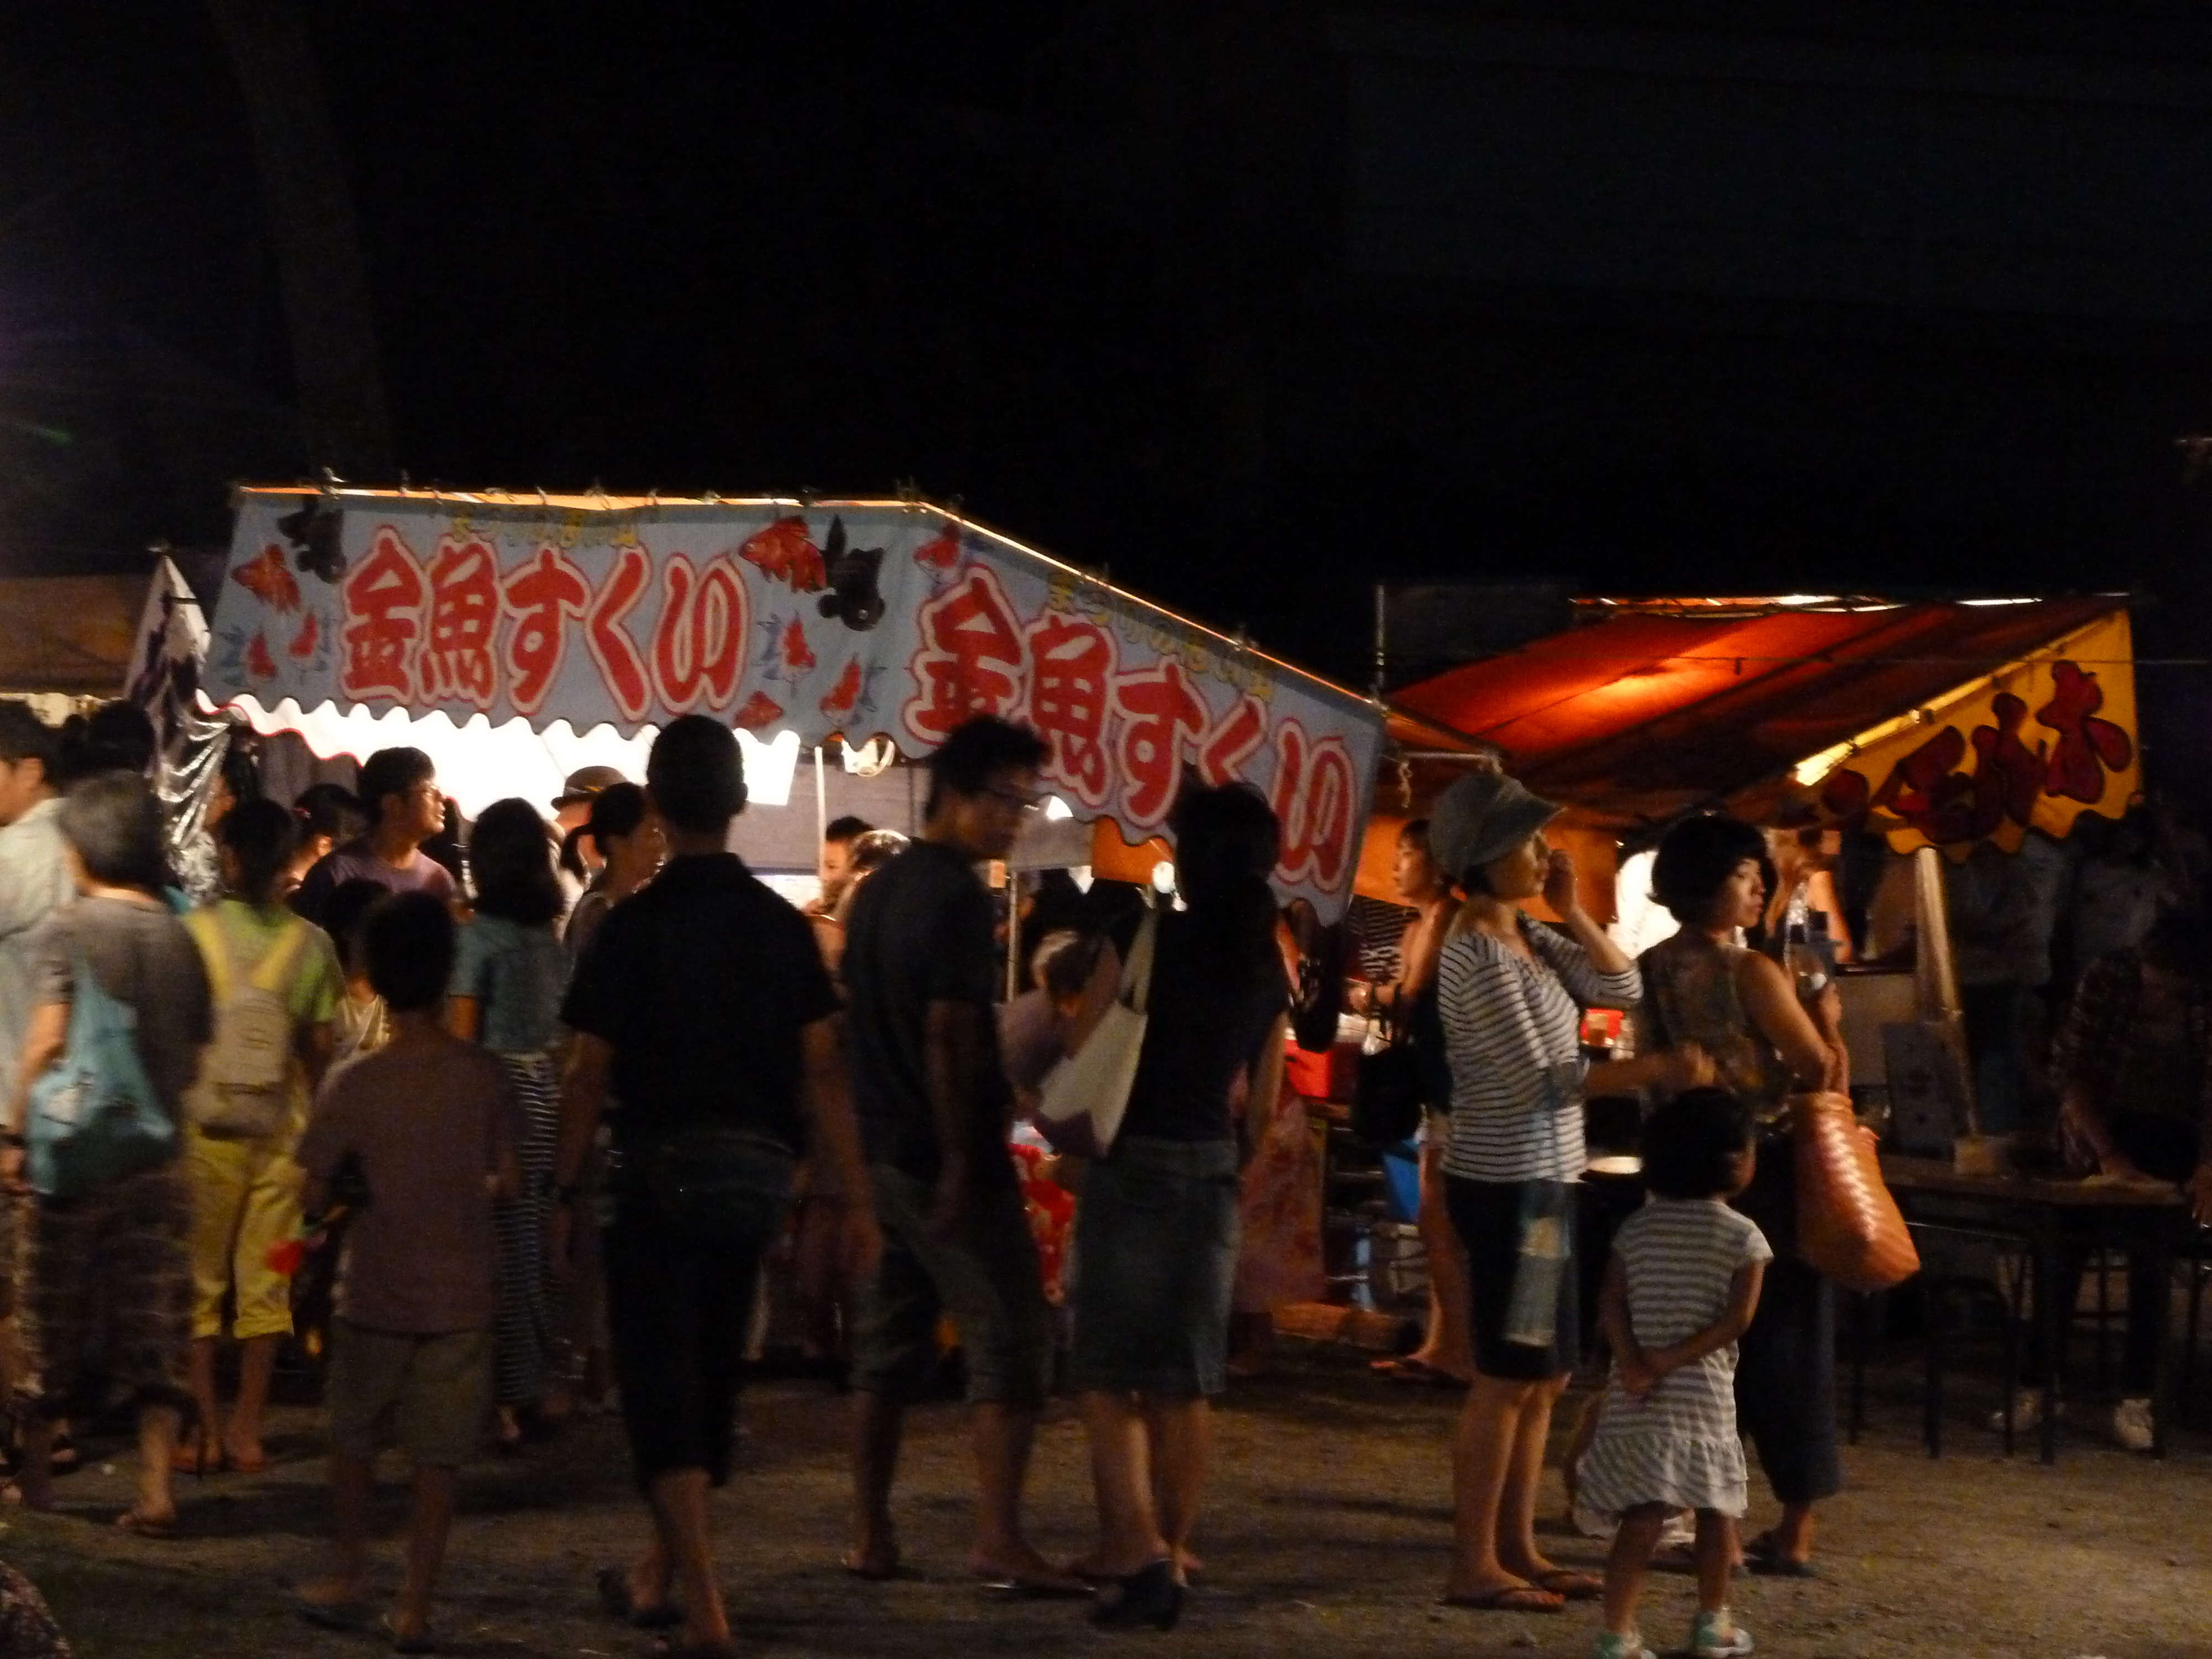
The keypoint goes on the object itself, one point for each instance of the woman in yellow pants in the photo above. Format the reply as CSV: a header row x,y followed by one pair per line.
x,y
275,983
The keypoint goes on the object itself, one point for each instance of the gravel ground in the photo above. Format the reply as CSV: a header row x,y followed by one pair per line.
x,y
1327,1533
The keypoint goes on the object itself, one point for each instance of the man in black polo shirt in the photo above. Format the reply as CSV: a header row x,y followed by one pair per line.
x,y
921,971
703,1007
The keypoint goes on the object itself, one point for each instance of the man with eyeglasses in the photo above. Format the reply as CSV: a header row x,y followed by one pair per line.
x,y
399,790
921,972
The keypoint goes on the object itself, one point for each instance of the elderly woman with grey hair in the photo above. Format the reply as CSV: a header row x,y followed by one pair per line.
x,y
1510,995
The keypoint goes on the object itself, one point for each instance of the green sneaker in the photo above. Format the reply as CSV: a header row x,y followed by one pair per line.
x,y
1631,1646
1717,1636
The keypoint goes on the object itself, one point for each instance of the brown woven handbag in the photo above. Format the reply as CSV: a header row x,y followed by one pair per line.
x,y
1848,1226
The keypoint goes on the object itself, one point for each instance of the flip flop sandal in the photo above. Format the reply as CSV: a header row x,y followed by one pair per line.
x,y
868,1575
1761,1557
1570,1585
613,1584
423,1642
347,1617
144,1526
1023,1589
1513,1598
200,1458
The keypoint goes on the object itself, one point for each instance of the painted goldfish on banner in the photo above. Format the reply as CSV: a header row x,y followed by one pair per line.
x,y
270,580
786,553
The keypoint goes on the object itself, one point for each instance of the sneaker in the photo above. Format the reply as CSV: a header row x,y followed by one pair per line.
x,y
2132,1426
1717,1636
1631,1646
2027,1413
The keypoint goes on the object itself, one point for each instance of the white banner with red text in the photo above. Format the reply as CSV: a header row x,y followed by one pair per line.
x,y
860,619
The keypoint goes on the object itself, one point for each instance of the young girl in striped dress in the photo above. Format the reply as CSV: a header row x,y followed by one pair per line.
x,y
1681,1289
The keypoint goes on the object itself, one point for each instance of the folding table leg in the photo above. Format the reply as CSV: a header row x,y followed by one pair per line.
x,y
2050,1316
2011,1370
2161,1246
1932,1399
1860,1322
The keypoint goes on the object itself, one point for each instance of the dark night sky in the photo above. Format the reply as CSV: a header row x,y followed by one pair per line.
x,y
835,246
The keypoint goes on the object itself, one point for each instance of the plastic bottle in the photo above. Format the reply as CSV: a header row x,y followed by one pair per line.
x,y
1805,961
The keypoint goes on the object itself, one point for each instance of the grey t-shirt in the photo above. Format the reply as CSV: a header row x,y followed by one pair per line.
x,y
34,882
142,956
921,931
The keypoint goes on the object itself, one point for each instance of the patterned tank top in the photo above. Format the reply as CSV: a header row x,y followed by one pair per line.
x,y
1690,996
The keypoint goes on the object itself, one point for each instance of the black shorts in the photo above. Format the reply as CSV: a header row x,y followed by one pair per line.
x,y
1486,1216
677,1321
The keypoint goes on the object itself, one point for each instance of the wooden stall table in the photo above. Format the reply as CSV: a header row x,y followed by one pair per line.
x,y
2051,1213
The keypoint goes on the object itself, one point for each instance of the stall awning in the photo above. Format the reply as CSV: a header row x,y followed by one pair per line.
x,y
790,620
1650,712
69,634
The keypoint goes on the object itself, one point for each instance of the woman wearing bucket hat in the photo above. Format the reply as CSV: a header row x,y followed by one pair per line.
x,y
1511,995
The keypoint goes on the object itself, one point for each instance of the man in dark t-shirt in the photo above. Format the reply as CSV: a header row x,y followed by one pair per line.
x,y
702,1003
920,971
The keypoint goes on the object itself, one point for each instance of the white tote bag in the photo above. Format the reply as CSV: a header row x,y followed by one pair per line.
x,y
1087,1094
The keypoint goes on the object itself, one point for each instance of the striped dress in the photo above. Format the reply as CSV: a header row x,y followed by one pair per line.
x,y
1678,1445
1513,1035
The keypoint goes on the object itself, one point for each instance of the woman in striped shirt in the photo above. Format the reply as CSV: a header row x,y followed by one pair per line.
x,y
1511,996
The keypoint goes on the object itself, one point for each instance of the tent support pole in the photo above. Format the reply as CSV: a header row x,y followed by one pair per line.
x,y
821,802
1382,635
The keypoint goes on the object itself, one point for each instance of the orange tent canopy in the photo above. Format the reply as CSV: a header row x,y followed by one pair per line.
x,y
1654,710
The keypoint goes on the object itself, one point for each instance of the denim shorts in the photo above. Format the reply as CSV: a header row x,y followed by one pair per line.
x,y
1487,1217
987,1279
1155,1265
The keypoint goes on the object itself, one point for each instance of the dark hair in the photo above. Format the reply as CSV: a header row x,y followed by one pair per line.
x,y
444,846
24,736
350,901
116,736
327,809
260,836
977,750
1696,857
846,828
1226,839
1416,831
696,775
392,772
874,848
1065,962
616,810
241,772
511,858
409,939
1691,1142
113,820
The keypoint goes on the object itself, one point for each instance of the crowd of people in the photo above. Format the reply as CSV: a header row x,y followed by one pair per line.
x,y
558,1111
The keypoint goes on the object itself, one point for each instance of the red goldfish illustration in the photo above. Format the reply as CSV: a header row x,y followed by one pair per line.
x,y
269,580
761,710
786,553
795,655
259,662
940,554
847,692
303,642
